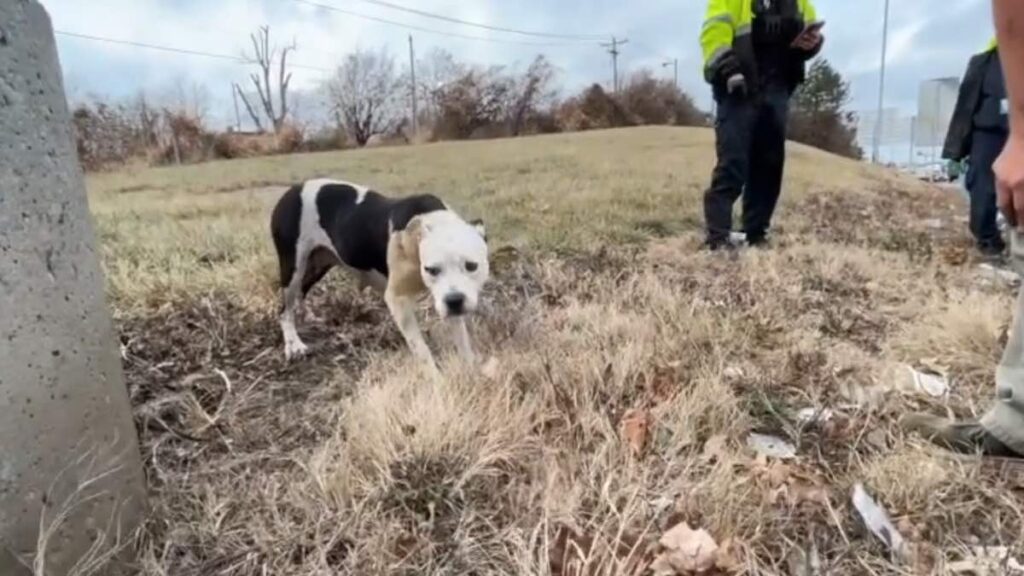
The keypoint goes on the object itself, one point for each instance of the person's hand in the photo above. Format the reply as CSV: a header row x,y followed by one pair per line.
x,y
809,41
1009,169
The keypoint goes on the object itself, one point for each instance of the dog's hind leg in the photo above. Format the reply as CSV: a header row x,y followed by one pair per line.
x,y
319,262
460,333
291,301
373,280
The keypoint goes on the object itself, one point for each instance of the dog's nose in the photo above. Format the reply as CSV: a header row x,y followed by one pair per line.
x,y
456,303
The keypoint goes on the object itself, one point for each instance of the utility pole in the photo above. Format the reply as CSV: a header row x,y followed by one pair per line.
x,y
881,87
613,49
238,117
913,135
674,63
412,77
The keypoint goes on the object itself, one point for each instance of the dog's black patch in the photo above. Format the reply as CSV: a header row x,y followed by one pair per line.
x,y
284,227
358,230
331,200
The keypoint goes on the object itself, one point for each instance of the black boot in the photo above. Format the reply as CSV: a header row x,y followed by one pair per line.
x,y
960,437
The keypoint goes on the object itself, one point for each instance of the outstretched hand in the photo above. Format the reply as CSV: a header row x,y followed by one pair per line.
x,y
1009,169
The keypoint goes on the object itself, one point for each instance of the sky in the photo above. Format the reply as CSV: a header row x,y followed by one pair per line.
x,y
927,39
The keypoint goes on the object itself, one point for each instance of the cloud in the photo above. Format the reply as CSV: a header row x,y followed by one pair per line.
x,y
927,39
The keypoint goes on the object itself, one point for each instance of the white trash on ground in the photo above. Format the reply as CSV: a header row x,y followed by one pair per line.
x,y
932,384
771,446
809,416
877,520
987,560
990,272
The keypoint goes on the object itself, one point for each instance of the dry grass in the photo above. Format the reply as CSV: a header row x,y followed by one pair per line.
x,y
352,462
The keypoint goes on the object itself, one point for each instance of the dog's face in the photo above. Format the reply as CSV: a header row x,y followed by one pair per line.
x,y
453,262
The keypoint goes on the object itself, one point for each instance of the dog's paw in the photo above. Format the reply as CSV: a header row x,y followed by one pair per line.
x,y
295,350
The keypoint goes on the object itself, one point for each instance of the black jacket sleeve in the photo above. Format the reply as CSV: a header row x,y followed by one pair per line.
x,y
959,135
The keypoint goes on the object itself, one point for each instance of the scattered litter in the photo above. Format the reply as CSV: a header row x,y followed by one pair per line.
x,y
932,384
771,446
687,551
985,560
662,504
877,520
737,238
804,562
732,373
1001,274
933,223
491,368
809,416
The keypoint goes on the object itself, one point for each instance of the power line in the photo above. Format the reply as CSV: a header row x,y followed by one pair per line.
x,y
236,59
431,30
425,14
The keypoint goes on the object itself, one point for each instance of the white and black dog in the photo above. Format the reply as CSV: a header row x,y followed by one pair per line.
x,y
404,247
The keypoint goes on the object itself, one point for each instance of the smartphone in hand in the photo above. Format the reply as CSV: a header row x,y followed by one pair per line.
x,y
809,31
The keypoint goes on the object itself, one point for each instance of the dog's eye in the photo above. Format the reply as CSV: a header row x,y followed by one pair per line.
x,y
433,270
471,266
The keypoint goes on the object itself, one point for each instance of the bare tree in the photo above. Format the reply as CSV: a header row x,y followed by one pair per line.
x,y
364,94
529,93
188,98
433,72
474,103
263,56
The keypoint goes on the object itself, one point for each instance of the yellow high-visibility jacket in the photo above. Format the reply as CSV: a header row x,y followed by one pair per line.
x,y
727,28
992,45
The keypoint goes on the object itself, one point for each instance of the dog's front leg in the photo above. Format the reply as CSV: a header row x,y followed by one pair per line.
x,y
403,311
460,333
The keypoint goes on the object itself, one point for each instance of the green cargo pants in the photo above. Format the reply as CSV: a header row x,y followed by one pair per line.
x,y
1006,419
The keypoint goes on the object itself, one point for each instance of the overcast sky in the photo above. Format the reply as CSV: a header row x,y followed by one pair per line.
x,y
928,39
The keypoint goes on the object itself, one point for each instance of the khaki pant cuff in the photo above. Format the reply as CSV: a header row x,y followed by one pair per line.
x,y
1007,425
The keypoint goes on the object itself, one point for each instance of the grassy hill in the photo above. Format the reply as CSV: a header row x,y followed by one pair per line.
x,y
628,370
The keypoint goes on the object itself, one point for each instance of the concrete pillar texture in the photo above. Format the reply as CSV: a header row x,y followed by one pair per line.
x,y
71,479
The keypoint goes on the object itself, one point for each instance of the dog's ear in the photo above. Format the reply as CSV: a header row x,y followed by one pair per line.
x,y
404,260
478,224
411,238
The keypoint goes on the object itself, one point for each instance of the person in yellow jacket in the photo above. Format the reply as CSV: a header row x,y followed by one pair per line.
x,y
755,54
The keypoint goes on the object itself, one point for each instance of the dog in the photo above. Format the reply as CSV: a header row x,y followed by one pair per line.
x,y
403,247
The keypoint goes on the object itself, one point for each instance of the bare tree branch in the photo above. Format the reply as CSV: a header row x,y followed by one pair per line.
x,y
248,107
263,56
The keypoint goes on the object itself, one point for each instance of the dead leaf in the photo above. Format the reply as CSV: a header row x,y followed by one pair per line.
x,y
727,558
905,526
715,448
778,474
688,551
815,494
636,426
663,567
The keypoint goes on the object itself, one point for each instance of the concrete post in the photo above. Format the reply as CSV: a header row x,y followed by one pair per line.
x,y
70,470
